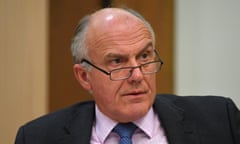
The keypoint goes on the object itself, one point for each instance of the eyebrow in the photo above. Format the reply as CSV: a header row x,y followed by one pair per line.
x,y
146,47
114,55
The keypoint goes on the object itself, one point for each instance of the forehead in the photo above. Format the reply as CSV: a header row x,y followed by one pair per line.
x,y
112,28
102,19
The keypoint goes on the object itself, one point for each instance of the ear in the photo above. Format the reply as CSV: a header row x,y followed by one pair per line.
x,y
82,76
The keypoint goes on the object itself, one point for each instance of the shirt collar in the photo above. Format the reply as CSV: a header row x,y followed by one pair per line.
x,y
148,123
104,124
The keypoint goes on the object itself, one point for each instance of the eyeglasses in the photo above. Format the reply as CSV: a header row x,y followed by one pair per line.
x,y
126,72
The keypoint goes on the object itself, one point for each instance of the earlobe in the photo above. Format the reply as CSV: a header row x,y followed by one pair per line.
x,y
82,76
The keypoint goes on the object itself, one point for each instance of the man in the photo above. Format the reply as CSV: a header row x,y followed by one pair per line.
x,y
116,61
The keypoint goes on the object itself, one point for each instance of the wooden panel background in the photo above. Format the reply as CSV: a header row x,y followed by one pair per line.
x,y
64,16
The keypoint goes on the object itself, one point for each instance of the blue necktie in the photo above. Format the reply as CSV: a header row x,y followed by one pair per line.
x,y
125,131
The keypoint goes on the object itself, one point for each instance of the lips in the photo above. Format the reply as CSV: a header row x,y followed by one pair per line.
x,y
135,93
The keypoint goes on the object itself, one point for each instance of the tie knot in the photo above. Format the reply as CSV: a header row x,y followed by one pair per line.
x,y
125,129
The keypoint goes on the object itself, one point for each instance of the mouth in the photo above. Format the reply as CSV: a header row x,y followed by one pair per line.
x,y
135,93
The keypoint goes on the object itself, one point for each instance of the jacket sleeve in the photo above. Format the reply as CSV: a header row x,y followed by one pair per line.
x,y
20,136
234,116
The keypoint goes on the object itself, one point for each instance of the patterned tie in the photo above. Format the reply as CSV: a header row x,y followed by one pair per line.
x,y
125,131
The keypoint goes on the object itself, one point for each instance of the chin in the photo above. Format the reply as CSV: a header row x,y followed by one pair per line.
x,y
137,111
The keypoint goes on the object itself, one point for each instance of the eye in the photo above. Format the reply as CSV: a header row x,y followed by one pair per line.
x,y
145,56
116,61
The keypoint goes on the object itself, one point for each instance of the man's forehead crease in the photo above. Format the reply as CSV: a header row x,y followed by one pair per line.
x,y
148,46
116,55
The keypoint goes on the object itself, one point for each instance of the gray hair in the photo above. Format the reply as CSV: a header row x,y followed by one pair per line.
x,y
79,46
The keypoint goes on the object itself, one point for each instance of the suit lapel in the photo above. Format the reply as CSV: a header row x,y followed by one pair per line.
x,y
177,128
79,127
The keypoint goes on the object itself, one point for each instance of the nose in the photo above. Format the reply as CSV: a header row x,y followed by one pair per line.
x,y
136,75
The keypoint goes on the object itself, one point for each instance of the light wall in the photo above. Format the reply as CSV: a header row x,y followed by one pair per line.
x,y
207,48
23,64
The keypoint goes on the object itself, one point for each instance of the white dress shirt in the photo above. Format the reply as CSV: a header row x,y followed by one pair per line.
x,y
149,130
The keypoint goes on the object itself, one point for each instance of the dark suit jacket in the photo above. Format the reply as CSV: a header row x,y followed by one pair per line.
x,y
186,120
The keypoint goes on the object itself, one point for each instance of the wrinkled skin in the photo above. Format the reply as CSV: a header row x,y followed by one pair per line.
x,y
116,38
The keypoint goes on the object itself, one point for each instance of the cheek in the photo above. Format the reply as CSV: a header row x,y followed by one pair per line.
x,y
104,89
106,97
151,82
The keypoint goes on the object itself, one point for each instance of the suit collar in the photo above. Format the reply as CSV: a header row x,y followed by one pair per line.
x,y
79,126
178,129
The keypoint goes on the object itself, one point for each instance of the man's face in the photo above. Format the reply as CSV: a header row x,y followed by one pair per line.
x,y
121,40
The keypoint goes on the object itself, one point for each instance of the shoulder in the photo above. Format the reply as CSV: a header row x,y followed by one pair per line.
x,y
61,117
194,100
48,128
202,104
215,115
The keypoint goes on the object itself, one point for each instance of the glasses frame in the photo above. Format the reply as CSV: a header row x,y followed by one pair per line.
x,y
131,68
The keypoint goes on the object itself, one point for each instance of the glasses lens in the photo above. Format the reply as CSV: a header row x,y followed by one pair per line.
x,y
122,73
151,67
